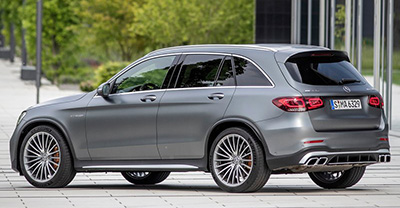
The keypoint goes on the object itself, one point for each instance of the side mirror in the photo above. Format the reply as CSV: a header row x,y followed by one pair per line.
x,y
104,90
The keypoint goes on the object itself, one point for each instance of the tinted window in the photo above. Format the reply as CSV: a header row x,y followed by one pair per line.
x,y
199,71
323,72
249,75
148,75
225,77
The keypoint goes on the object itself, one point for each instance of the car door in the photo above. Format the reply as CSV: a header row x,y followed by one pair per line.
x,y
204,87
123,126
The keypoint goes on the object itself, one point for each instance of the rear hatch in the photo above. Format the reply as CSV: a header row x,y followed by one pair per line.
x,y
349,102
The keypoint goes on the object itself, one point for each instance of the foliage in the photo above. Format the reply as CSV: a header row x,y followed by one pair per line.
x,y
104,31
340,21
9,13
59,51
110,25
87,86
180,22
107,70
102,74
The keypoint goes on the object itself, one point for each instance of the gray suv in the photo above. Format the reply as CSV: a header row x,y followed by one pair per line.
x,y
241,112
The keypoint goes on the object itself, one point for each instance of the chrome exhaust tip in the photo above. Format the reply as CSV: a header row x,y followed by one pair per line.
x,y
317,161
387,158
322,160
384,158
312,161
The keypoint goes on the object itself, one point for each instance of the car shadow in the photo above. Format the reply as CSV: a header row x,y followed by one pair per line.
x,y
208,188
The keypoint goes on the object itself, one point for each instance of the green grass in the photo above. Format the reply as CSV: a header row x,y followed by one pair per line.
x,y
395,75
368,57
368,61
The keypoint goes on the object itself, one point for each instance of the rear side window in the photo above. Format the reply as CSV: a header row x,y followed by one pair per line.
x,y
226,77
199,71
247,74
332,69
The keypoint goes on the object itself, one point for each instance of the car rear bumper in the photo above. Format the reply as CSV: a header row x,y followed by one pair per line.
x,y
344,158
320,161
288,141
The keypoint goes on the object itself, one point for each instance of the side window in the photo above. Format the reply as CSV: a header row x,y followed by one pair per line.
x,y
199,71
249,75
148,75
225,77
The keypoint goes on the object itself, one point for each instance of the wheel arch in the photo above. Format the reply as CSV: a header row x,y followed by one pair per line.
x,y
38,122
233,122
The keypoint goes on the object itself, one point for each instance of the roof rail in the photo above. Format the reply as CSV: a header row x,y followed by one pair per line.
x,y
256,47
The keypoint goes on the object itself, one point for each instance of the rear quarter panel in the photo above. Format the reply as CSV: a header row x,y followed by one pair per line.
x,y
254,104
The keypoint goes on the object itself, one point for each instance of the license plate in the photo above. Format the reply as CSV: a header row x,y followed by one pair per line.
x,y
348,104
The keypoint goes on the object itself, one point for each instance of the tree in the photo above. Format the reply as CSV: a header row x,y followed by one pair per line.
x,y
9,14
110,25
59,48
340,22
78,35
180,22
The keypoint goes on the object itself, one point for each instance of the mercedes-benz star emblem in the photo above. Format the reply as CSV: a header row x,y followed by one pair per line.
x,y
346,89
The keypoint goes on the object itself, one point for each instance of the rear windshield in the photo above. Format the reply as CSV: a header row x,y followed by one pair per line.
x,y
323,71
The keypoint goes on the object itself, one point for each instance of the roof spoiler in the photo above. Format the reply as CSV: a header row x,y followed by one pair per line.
x,y
327,55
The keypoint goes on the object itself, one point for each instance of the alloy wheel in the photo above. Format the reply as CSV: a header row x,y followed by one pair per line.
x,y
42,156
233,160
329,176
138,174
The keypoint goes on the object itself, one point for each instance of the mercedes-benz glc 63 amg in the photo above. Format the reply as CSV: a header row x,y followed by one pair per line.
x,y
241,112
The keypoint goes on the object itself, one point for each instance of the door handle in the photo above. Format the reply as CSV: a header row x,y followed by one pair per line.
x,y
147,98
216,96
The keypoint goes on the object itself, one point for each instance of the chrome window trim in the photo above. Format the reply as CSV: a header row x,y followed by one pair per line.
x,y
137,92
199,88
222,87
192,88
255,87
145,58
324,153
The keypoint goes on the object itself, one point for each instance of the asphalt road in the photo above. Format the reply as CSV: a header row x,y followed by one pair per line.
x,y
380,186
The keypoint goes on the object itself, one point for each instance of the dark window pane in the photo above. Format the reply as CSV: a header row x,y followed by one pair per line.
x,y
199,71
226,77
323,72
148,75
249,75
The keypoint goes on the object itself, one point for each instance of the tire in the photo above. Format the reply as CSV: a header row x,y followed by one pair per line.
x,y
145,178
340,179
239,167
44,146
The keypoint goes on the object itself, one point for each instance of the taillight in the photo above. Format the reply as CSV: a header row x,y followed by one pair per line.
x,y
314,103
322,54
375,101
291,104
298,104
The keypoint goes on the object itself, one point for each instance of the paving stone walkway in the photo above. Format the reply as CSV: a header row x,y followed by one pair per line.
x,y
380,186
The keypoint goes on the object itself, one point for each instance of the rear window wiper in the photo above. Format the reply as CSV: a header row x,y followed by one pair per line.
x,y
348,81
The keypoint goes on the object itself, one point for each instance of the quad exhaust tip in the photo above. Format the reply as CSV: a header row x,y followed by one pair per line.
x,y
317,161
384,158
